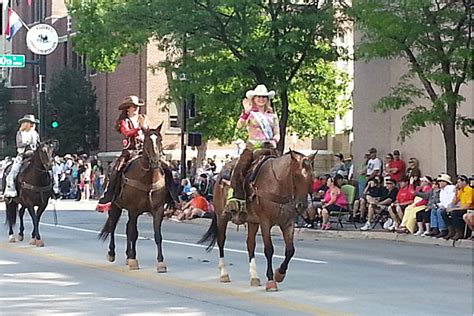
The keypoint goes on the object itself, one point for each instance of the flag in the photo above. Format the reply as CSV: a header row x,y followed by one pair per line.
x,y
13,24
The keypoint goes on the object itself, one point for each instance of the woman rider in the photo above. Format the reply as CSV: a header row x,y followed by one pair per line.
x,y
130,124
263,133
27,139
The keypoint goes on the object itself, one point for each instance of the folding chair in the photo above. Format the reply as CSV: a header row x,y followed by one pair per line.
x,y
350,192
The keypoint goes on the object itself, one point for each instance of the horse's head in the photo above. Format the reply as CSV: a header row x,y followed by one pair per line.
x,y
152,146
45,153
302,172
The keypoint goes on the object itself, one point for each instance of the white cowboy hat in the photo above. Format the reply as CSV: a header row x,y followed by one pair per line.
x,y
131,100
28,118
192,190
260,90
445,178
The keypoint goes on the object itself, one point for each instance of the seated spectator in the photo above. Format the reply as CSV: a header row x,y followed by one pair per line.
x,y
419,204
404,198
463,201
377,205
413,170
197,207
339,167
373,192
439,217
468,218
334,201
320,187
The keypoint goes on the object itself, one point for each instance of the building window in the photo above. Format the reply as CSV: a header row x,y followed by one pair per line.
x,y
173,116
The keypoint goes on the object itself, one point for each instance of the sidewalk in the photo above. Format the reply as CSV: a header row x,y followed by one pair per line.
x,y
348,232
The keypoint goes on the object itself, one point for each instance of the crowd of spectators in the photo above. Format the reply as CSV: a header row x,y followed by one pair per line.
x,y
395,195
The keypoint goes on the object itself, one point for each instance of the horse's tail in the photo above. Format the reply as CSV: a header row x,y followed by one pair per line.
x,y
106,230
11,210
211,234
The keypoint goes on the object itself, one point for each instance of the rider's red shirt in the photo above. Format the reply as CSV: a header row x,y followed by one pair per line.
x,y
133,134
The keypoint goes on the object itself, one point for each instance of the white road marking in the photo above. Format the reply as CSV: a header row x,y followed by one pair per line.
x,y
184,243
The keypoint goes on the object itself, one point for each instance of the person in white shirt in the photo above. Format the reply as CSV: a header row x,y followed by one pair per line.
x,y
439,217
374,165
27,139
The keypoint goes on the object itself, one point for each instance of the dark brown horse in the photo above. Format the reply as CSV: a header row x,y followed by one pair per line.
x,y
281,189
35,187
143,190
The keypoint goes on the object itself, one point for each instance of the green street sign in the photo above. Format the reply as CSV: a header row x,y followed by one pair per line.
x,y
12,61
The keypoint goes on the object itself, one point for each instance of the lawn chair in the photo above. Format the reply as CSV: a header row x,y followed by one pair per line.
x,y
349,191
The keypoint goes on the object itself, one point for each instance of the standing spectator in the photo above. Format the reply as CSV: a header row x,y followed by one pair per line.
x,y
98,178
86,181
463,201
350,169
362,178
387,164
413,170
439,216
374,165
397,167
339,166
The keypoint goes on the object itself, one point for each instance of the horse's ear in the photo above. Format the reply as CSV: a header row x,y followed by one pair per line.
x,y
158,129
293,154
313,156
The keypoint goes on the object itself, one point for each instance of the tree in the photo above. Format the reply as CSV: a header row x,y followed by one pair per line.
x,y
7,122
71,102
434,38
232,45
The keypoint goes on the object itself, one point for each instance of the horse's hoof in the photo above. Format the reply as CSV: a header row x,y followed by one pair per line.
x,y
255,282
161,267
32,241
39,243
20,237
279,277
133,264
11,238
110,258
224,278
271,286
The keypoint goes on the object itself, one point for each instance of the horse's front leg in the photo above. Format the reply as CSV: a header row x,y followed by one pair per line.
x,y
157,221
251,235
271,285
21,233
132,236
39,212
34,220
288,234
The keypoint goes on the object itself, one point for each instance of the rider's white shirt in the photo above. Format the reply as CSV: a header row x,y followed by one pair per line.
x,y
23,139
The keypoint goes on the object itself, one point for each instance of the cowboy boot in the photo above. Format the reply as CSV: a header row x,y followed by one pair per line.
x,y
451,232
10,190
236,196
105,202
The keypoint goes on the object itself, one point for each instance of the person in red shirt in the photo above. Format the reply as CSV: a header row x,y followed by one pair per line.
x,y
405,197
396,167
198,206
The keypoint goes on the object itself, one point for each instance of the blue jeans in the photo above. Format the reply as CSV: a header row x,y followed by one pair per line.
x,y
438,219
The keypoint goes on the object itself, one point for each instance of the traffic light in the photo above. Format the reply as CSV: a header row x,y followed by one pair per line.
x,y
54,120
194,139
54,124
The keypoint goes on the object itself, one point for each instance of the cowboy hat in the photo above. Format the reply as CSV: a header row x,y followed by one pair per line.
x,y
131,100
260,90
446,178
28,118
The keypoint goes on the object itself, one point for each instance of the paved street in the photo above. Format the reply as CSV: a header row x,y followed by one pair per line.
x,y
336,276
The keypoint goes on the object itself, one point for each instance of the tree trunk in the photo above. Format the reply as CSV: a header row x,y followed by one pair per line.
x,y
449,134
201,154
283,119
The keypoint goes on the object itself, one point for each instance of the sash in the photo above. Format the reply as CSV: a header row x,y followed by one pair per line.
x,y
264,124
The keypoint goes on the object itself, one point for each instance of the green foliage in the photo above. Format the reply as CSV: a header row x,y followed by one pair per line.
x,y
434,38
231,46
71,101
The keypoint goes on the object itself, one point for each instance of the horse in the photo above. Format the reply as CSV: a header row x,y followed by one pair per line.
x,y
143,190
35,187
280,191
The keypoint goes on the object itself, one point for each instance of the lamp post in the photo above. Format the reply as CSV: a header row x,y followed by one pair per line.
x,y
183,78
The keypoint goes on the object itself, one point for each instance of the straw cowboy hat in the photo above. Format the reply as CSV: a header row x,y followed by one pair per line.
x,y
446,178
28,118
260,90
131,100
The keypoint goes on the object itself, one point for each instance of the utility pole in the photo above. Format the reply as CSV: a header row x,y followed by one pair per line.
x,y
184,117
42,78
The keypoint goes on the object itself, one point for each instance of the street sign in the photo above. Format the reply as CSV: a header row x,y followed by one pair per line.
x,y
42,39
12,61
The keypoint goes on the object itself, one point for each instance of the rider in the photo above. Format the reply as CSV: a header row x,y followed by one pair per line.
x,y
130,124
27,139
263,133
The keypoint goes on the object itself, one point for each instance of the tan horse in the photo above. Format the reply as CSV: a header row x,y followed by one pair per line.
x,y
281,189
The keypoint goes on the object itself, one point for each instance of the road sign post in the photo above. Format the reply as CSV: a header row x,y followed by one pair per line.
x,y
12,61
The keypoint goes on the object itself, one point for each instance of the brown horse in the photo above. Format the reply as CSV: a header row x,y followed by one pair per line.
x,y
280,191
35,187
143,190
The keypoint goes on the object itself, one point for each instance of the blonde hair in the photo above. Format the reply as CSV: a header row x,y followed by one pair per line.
x,y
25,126
268,106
